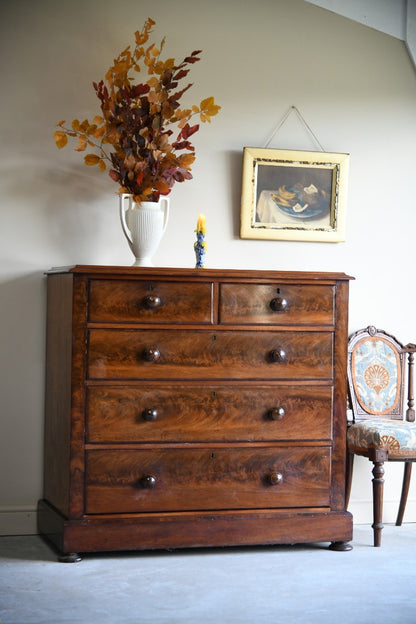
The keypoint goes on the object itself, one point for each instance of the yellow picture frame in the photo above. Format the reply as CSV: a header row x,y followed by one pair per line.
x,y
293,195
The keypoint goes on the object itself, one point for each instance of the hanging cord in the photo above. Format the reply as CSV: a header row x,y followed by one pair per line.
x,y
280,124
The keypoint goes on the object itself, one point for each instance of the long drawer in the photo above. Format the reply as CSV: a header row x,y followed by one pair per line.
x,y
187,354
148,301
277,304
127,481
211,412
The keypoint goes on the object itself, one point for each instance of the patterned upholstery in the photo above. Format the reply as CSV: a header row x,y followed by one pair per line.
x,y
398,437
376,375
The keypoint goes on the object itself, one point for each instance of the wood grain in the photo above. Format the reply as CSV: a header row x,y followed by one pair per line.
x,y
127,301
189,479
196,354
251,303
209,412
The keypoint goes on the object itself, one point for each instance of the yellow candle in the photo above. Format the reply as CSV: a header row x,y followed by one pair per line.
x,y
201,224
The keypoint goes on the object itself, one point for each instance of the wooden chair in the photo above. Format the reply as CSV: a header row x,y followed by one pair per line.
x,y
380,430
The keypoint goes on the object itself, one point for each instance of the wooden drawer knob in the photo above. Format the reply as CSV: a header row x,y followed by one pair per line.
x,y
279,304
278,355
152,301
149,414
148,481
151,354
275,478
276,413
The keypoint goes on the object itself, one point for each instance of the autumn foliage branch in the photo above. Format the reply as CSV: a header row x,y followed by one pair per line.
x,y
142,133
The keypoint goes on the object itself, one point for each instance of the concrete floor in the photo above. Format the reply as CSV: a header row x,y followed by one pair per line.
x,y
281,585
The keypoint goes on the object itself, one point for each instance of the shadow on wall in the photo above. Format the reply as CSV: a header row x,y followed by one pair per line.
x,y
77,206
59,212
235,164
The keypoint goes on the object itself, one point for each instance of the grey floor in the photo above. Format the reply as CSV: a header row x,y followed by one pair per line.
x,y
280,585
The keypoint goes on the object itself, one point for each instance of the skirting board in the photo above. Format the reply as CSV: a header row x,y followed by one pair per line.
x,y
18,522
362,511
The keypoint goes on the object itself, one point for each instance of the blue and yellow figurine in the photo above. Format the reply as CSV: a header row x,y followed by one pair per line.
x,y
200,245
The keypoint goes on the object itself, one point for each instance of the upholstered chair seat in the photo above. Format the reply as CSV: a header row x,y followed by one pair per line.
x,y
396,437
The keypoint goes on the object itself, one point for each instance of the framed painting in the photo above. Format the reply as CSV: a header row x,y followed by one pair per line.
x,y
293,195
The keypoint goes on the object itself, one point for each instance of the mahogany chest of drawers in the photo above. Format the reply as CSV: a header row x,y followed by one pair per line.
x,y
194,408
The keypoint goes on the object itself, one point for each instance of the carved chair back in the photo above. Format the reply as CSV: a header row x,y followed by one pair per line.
x,y
376,376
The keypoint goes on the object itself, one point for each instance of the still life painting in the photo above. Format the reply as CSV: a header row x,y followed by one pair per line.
x,y
293,195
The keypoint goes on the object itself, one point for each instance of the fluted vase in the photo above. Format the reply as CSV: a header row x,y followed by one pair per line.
x,y
143,225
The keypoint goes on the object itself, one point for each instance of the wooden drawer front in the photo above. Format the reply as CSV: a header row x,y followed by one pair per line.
x,y
153,302
186,354
206,478
276,305
175,413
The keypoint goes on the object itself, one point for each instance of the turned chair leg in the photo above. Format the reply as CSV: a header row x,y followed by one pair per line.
x,y
405,490
348,479
378,485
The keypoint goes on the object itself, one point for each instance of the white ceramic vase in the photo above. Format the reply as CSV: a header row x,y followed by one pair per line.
x,y
143,225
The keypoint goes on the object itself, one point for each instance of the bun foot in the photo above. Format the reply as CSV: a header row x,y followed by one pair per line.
x,y
340,546
69,558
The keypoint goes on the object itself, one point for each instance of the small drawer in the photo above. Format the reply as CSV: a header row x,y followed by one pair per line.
x,y
149,302
200,354
217,413
276,305
129,481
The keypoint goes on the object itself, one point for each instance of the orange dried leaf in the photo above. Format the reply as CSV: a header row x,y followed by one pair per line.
x,y
101,165
169,63
98,120
153,97
162,186
60,138
99,132
186,160
84,125
82,143
92,159
209,107
153,82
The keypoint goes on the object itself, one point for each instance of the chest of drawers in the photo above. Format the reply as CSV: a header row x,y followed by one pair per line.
x,y
194,408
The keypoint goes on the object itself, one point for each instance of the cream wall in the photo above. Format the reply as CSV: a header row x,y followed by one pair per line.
x,y
355,87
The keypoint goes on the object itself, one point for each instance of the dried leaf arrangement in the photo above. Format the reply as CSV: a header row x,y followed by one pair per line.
x,y
143,134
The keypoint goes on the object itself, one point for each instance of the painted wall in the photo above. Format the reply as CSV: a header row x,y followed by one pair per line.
x,y
355,87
